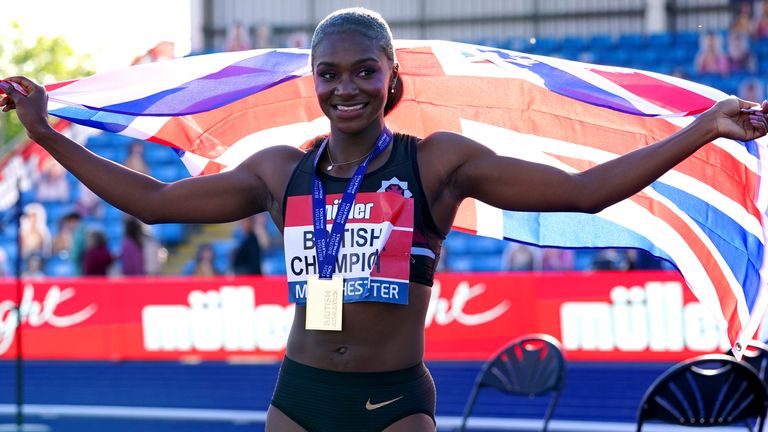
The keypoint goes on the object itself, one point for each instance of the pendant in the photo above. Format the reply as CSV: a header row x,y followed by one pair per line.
x,y
330,167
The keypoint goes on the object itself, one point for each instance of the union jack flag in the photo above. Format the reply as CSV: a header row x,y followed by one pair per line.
x,y
707,216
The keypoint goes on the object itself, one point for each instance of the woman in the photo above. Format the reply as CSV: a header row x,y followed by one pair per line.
x,y
369,375
132,248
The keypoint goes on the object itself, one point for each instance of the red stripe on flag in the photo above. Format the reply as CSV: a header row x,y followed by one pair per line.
x,y
724,291
658,92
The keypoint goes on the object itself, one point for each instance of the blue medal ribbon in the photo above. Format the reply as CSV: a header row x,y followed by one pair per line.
x,y
327,249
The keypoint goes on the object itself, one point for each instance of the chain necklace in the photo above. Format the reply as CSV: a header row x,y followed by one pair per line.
x,y
334,164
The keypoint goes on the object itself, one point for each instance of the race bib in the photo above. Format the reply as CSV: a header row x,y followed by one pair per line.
x,y
374,258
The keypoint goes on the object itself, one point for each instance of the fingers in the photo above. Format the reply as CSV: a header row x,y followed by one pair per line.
x,y
759,122
23,85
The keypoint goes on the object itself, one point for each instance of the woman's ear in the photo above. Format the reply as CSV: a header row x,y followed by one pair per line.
x,y
393,81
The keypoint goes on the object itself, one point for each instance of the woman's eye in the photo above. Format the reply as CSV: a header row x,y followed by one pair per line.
x,y
327,75
366,72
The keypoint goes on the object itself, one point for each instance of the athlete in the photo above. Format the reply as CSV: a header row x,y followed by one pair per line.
x,y
354,357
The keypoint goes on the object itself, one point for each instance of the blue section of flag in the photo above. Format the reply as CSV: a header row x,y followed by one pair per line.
x,y
574,230
742,251
220,88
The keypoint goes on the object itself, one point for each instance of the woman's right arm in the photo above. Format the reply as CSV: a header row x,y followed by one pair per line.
x,y
252,187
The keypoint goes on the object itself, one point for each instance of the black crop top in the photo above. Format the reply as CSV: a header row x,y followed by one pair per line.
x,y
399,174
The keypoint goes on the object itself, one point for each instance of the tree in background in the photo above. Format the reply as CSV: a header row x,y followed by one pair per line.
x,y
47,60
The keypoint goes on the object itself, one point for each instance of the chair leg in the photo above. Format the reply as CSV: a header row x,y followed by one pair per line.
x,y
468,408
550,410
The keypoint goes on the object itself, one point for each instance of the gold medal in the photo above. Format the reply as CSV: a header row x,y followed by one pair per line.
x,y
325,299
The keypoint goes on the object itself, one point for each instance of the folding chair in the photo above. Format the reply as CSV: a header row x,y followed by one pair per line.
x,y
530,365
708,390
756,355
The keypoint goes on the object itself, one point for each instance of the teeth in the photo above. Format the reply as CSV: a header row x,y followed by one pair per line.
x,y
349,108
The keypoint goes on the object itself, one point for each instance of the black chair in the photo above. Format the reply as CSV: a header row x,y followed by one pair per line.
x,y
756,355
708,390
530,365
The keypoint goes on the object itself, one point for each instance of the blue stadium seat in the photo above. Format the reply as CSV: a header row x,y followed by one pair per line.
x,y
544,46
56,210
117,140
168,172
222,263
223,247
113,215
59,267
645,59
159,154
659,40
631,41
457,243
459,263
601,42
188,267
171,233
274,265
573,43
612,58
485,245
114,233
687,39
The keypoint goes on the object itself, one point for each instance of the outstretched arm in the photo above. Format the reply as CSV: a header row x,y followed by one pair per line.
x,y
250,188
473,170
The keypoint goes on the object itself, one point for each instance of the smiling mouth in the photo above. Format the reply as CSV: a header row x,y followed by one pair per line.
x,y
350,108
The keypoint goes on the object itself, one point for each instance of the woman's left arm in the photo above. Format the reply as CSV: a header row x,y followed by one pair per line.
x,y
470,169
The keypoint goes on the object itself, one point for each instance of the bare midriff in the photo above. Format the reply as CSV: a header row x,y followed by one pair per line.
x,y
374,337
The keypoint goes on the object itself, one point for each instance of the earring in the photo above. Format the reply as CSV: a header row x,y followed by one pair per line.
x,y
392,89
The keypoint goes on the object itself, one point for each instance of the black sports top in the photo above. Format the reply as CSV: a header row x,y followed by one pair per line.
x,y
399,174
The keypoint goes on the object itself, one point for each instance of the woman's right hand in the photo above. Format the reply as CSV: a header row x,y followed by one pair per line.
x,y
32,109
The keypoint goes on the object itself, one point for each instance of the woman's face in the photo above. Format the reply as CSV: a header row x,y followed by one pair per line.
x,y
352,80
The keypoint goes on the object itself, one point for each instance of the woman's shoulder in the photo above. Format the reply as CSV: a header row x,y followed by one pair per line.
x,y
438,140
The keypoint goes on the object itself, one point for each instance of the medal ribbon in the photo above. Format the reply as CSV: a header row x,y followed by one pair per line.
x,y
327,249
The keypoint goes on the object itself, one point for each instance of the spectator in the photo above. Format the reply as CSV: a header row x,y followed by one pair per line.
x,y
5,265
760,27
238,38
518,257
742,19
246,258
34,267
97,258
751,87
155,254
642,260
740,55
610,259
35,235
205,264
135,159
88,204
64,239
711,59
131,249
264,37
557,259
52,186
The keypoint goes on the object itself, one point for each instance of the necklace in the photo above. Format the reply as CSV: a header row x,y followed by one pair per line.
x,y
334,164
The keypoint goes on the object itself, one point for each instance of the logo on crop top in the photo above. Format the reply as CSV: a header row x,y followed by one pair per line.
x,y
396,186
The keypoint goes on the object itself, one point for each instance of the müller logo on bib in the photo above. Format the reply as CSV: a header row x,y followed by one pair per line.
x,y
396,186
374,257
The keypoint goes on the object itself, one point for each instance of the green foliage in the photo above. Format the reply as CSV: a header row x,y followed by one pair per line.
x,y
47,60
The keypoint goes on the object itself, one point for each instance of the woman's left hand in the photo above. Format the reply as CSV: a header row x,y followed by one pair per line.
x,y
738,119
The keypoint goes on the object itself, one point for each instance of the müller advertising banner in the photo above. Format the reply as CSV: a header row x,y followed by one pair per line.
x,y
603,316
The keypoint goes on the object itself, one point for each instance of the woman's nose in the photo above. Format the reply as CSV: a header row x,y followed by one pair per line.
x,y
346,87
